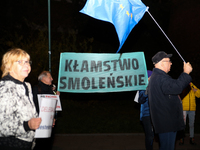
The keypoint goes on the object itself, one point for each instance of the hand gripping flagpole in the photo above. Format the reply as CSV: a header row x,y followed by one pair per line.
x,y
165,35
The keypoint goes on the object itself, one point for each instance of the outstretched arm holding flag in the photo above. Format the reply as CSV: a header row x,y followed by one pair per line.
x,y
123,14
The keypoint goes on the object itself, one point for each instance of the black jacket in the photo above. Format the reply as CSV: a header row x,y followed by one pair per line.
x,y
165,105
40,88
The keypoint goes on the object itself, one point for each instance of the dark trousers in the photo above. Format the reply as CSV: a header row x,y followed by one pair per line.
x,y
13,148
167,140
13,143
149,134
43,144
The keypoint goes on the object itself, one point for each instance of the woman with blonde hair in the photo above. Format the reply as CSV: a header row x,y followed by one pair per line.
x,y
18,116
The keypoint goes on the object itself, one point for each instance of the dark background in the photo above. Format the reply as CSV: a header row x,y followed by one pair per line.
x,y
24,24
178,18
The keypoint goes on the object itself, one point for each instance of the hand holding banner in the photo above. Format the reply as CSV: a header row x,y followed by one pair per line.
x,y
47,111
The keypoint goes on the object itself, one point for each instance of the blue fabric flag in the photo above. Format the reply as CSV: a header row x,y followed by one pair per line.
x,y
123,14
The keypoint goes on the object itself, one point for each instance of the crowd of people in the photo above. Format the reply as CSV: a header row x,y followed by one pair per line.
x,y
167,102
164,107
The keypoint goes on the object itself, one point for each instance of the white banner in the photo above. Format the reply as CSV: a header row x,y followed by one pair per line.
x,y
47,112
136,97
55,97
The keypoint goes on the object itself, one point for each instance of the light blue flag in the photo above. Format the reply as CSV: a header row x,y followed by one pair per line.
x,y
123,14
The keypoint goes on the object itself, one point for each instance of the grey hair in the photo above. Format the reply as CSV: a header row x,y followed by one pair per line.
x,y
43,74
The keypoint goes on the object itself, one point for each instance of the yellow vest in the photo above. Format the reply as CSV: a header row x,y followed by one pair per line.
x,y
189,101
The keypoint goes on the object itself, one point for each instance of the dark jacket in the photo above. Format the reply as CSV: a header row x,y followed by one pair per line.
x,y
165,105
41,88
143,100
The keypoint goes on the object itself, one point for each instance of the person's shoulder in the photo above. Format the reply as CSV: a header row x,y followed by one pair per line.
x,y
141,91
6,83
35,87
5,79
2,81
7,86
27,83
2,84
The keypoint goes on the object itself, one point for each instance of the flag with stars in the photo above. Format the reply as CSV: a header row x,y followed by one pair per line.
x,y
123,14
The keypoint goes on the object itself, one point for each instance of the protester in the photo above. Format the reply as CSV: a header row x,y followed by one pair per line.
x,y
189,108
18,116
44,86
145,117
165,105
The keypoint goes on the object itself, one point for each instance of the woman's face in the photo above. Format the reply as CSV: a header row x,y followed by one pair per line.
x,y
20,69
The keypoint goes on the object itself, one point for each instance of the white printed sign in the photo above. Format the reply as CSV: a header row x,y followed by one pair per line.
x,y
47,112
136,97
49,96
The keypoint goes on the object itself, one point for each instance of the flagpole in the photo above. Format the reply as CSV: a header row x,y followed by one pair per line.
x,y
49,29
165,35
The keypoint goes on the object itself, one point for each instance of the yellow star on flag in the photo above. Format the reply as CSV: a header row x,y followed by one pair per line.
x,y
127,13
121,6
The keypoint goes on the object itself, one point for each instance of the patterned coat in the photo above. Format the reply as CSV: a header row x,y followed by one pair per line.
x,y
16,109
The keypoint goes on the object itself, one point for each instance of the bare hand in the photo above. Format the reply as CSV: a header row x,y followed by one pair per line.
x,y
54,122
57,93
187,68
34,123
194,89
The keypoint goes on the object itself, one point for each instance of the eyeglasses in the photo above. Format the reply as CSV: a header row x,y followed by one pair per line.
x,y
167,61
23,62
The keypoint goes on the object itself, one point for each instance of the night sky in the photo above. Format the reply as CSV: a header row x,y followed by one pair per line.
x,y
178,18
24,24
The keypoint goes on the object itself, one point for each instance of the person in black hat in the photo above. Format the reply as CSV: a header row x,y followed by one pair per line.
x,y
165,105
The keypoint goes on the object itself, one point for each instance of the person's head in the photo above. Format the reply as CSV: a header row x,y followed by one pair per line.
x,y
161,60
16,62
45,77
